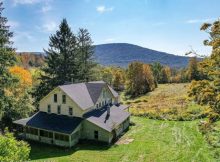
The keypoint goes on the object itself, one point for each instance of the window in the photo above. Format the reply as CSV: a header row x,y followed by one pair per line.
x,y
64,99
46,134
100,105
61,137
70,111
55,97
58,109
31,131
97,106
96,134
105,102
48,109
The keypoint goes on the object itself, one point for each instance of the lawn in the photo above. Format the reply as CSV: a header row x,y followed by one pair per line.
x,y
153,140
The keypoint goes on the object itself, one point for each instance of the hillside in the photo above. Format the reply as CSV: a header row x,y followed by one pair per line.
x,y
121,54
118,54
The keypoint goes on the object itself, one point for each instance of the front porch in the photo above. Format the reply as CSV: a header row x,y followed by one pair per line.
x,y
50,137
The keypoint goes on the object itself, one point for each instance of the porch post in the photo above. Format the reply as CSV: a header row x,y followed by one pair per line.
x,y
69,140
38,133
53,138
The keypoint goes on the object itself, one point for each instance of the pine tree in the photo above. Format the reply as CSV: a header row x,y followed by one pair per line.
x,y
61,61
85,54
7,59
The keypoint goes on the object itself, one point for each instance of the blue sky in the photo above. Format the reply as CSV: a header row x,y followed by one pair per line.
x,y
166,25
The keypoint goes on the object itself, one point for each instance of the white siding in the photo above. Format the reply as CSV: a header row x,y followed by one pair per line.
x,y
49,100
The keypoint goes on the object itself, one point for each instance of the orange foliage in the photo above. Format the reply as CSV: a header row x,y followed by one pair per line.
x,y
24,76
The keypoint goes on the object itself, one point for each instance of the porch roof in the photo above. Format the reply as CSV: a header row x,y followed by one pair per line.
x,y
51,122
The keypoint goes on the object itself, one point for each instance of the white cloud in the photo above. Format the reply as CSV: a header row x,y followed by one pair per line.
x,y
193,21
46,8
23,35
49,26
13,24
26,1
102,9
32,2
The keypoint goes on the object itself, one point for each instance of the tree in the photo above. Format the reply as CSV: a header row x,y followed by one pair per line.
x,y
7,59
207,91
61,61
165,75
24,76
13,150
149,81
139,79
85,54
157,71
193,73
134,79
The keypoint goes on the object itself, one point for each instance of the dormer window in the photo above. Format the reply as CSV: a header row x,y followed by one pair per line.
x,y
64,99
55,97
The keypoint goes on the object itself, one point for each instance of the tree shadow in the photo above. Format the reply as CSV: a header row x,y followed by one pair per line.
x,y
44,151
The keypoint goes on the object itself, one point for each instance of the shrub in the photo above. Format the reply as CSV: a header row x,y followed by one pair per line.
x,y
12,150
213,117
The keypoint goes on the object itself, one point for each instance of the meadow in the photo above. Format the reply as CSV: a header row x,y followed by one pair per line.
x,y
167,102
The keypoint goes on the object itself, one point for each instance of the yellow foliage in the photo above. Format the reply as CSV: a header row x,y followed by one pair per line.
x,y
24,76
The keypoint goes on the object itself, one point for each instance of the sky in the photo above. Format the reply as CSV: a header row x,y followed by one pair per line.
x,y
171,26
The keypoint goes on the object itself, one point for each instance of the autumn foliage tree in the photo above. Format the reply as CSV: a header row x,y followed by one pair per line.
x,y
139,79
207,91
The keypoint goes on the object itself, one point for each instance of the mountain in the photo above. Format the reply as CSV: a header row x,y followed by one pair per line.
x,y
117,54
121,54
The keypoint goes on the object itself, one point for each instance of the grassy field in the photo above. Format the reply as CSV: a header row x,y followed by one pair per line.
x,y
168,101
153,140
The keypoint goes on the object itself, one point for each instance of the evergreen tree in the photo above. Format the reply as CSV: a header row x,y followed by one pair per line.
x,y
61,61
7,59
85,53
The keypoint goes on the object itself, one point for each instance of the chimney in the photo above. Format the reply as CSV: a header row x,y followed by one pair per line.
x,y
108,110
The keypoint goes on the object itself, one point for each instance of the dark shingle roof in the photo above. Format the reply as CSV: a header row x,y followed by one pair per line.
x,y
95,90
100,118
86,94
51,122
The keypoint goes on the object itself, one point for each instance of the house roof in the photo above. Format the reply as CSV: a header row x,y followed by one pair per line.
x,y
100,118
86,94
51,122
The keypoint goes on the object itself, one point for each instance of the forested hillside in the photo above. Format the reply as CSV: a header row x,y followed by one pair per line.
x,y
118,54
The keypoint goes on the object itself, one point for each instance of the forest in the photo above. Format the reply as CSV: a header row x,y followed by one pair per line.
x,y
25,80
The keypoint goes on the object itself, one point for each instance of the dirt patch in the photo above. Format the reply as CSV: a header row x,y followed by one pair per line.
x,y
124,141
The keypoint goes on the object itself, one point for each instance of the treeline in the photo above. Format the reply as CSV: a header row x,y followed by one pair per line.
x,y
30,60
140,78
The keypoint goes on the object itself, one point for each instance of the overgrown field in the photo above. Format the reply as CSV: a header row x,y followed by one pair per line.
x,y
167,102
148,141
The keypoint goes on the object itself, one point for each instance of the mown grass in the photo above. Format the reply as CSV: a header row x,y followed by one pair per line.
x,y
167,102
154,140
